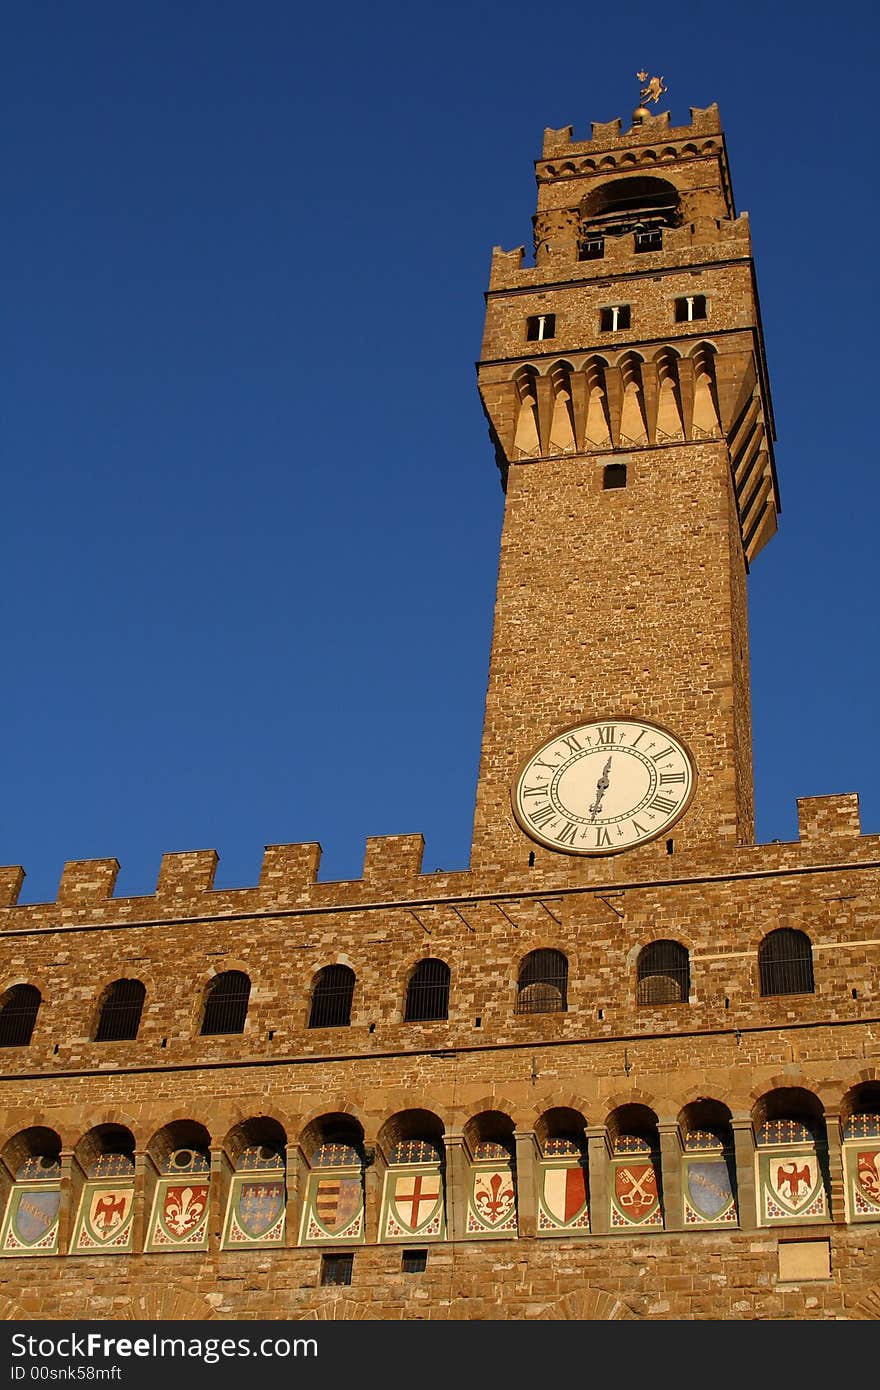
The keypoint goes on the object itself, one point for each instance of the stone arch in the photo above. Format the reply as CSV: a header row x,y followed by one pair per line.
x,y
588,1305
340,1309
868,1307
167,1304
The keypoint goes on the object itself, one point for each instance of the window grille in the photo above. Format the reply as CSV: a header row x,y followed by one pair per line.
x,y
427,994
331,997
785,963
614,475
690,307
664,975
543,983
120,1016
227,1003
615,317
18,1014
650,240
414,1262
336,1269
539,327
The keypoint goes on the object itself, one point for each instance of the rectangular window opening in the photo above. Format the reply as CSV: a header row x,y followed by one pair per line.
x,y
414,1262
614,475
336,1269
649,241
615,317
540,326
690,307
592,249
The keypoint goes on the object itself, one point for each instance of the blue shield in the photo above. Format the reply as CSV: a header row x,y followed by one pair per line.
x,y
259,1206
35,1213
708,1188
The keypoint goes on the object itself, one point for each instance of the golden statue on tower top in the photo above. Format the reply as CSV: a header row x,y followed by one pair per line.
x,y
652,89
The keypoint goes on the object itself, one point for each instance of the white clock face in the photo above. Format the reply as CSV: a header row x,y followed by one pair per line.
x,y
603,787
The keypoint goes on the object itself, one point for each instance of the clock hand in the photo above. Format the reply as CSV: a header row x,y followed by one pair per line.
x,y
601,789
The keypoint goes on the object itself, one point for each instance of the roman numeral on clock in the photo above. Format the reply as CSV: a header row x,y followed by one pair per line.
x,y
542,815
567,833
605,732
663,803
667,778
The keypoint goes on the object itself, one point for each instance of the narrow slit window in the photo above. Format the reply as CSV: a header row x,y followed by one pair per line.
x,y
540,326
690,307
615,317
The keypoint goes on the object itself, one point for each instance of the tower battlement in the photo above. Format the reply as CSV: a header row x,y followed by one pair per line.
x,y
607,135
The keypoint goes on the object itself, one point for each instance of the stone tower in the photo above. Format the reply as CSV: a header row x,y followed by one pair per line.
x,y
624,379
627,1063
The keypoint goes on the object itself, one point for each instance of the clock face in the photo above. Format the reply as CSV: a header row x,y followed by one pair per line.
x,y
604,787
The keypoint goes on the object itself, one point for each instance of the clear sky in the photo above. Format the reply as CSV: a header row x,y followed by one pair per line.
x,y
250,508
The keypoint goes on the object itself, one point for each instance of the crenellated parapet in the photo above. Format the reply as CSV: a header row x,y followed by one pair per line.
x,y
605,135
393,871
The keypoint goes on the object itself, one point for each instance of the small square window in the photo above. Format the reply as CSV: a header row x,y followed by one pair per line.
x,y
690,307
336,1269
614,475
614,318
540,326
414,1261
649,241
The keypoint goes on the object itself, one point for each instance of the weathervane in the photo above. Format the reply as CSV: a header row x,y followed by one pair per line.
x,y
652,90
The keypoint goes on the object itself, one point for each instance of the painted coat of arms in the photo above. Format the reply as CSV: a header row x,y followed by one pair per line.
x,y
708,1190
565,1193
180,1216
868,1175
793,1181
415,1199
338,1201
32,1220
104,1220
636,1198
494,1198
259,1206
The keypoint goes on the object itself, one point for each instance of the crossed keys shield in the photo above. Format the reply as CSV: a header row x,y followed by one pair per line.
x,y
635,1188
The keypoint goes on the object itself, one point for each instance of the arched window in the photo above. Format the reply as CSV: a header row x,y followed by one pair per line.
x,y
664,974
331,997
785,962
542,986
427,994
18,1014
120,1016
226,1004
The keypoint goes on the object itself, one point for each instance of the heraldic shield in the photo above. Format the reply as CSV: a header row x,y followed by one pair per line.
x,y
180,1216
31,1224
564,1198
255,1215
104,1221
709,1193
793,1186
635,1200
414,1204
863,1177
493,1201
334,1208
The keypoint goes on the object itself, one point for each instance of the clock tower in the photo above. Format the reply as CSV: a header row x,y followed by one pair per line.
x,y
624,381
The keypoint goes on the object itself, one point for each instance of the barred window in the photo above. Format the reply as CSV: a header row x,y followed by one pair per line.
x,y
120,1016
414,1262
331,997
226,1004
427,994
664,974
18,1014
543,983
785,962
651,239
336,1269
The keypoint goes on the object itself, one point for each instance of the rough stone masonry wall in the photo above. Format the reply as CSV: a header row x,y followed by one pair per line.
x,y
727,1043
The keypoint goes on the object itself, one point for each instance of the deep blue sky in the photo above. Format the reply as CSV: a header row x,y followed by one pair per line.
x,y
250,509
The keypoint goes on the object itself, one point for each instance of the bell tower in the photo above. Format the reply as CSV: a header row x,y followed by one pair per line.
x,y
624,381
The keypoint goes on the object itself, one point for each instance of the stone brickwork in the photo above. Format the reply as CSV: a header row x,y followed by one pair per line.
x,y
617,601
